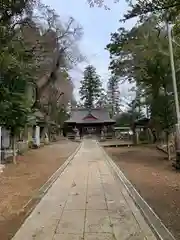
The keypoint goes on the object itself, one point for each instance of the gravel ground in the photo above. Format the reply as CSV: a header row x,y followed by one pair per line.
x,y
18,183
155,180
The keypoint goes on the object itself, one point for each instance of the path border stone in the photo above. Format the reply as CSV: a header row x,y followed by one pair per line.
x,y
152,219
47,185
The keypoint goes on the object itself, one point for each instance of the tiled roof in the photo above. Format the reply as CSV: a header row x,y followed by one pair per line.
x,y
99,114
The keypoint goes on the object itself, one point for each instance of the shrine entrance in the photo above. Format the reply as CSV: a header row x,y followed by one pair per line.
x,y
89,130
90,122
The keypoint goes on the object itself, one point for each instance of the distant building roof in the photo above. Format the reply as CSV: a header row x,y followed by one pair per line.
x,y
96,115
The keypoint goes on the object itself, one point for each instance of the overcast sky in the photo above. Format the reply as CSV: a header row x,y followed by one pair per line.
x,y
98,25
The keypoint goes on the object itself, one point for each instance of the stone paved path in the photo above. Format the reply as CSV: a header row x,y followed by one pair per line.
x,y
86,202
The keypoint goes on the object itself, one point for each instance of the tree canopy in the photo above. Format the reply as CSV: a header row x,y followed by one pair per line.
x,y
140,55
16,68
113,95
91,87
37,50
142,8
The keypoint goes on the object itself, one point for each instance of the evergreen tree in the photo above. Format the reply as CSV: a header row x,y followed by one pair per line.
x,y
113,95
91,87
103,101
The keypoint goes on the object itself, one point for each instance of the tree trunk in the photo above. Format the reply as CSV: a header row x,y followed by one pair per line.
x,y
153,131
14,149
45,134
168,146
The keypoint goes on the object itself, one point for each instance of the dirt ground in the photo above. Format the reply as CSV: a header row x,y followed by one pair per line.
x,y
155,180
19,183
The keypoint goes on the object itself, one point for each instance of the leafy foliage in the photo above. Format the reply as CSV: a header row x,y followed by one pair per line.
x,y
91,87
16,66
37,49
103,101
140,56
11,16
164,8
126,119
113,94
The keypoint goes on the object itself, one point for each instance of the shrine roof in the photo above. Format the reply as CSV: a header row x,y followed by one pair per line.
x,y
96,115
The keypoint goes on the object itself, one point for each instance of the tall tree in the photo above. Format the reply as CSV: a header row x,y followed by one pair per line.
x,y
113,94
91,87
55,44
140,56
103,101
55,47
143,8
16,67
37,49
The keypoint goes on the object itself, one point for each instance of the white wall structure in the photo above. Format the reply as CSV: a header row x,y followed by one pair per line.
x,y
37,136
0,144
5,148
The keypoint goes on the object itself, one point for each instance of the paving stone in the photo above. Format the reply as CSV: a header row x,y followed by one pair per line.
x,y
76,201
99,236
96,203
97,221
72,221
86,203
125,226
37,230
68,237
